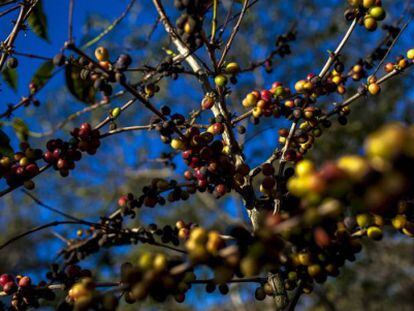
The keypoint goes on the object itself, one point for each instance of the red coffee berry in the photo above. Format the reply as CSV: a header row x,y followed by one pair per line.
x,y
48,157
268,169
62,164
122,201
9,288
266,95
6,278
85,127
221,189
32,169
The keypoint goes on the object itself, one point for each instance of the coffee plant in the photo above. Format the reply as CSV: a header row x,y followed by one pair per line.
x,y
306,220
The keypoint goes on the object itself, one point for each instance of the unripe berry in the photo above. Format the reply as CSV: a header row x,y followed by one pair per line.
x,y
116,112
357,69
304,259
180,224
368,3
208,102
12,63
299,86
390,66
374,88
25,282
410,54
304,168
259,293
29,184
232,68
354,3
377,12
370,23
374,233
403,63
177,144
399,222
257,112
314,270
220,80
102,54
363,220
160,262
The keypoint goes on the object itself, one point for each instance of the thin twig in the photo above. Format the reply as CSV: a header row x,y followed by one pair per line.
x,y
111,27
70,20
233,33
39,228
8,43
338,50
50,208
214,21
5,12
391,46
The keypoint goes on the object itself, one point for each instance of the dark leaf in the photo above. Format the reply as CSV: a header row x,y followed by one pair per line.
x,y
5,148
83,90
21,129
37,21
43,74
10,77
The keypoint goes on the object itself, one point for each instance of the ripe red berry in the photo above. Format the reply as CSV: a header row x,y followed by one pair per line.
x,y
188,175
32,169
266,95
122,201
73,271
221,190
9,288
276,84
268,169
207,103
268,182
6,278
62,164
85,127
20,171
48,157
186,154
310,76
321,237
56,154
202,183
218,128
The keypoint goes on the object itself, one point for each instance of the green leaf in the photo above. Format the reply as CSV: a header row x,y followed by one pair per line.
x,y
82,89
5,148
43,74
21,129
37,21
10,77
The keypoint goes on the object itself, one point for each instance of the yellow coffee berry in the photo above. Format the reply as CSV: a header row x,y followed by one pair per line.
x,y
102,54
